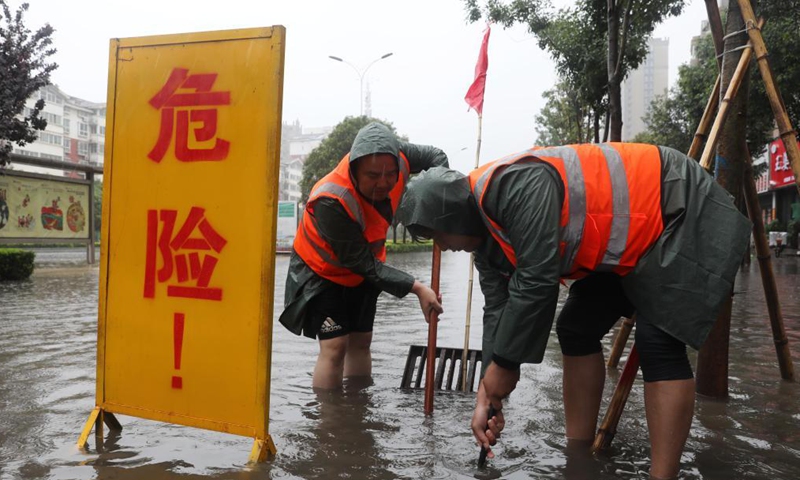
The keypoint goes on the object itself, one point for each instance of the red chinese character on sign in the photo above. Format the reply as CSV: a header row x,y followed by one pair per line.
x,y
180,254
184,90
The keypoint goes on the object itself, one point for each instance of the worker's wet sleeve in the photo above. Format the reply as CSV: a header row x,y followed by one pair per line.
x,y
494,287
344,236
529,207
423,157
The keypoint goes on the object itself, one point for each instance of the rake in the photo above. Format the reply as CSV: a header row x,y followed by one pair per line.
x,y
447,367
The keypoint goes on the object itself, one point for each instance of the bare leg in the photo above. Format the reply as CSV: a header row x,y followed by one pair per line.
x,y
358,360
583,382
330,363
669,406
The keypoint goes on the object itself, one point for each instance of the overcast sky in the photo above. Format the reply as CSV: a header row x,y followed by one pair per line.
x,y
420,88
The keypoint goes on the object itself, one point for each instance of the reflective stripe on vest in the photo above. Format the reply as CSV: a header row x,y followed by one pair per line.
x,y
574,211
344,195
316,252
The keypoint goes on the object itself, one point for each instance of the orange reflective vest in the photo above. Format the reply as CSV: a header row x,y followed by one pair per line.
x,y
316,252
611,214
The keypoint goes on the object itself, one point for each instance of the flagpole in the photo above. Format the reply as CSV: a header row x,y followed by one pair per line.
x,y
471,276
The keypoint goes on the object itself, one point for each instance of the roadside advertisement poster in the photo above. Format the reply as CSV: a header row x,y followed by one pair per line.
x,y
38,208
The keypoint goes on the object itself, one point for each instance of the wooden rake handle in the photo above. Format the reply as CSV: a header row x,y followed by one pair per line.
x,y
430,367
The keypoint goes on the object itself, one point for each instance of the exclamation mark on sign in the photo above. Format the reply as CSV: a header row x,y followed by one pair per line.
x,y
177,336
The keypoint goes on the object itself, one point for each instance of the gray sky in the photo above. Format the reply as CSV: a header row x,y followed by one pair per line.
x,y
420,88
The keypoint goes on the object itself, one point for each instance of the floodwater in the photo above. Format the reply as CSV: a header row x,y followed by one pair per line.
x,y
47,372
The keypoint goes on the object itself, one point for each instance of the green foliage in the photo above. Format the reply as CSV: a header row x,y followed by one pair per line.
x,y
15,264
392,247
329,153
775,226
25,70
579,40
793,229
672,120
565,119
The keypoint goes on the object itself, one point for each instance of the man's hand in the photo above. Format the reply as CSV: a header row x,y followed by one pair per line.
x,y
496,385
429,302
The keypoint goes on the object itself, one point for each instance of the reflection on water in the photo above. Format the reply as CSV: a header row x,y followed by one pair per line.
x,y
47,361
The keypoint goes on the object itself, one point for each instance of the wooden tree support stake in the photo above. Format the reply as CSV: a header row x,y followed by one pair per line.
x,y
767,275
620,341
608,427
724,109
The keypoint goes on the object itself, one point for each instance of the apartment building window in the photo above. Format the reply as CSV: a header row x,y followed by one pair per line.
x,y
66,143
66,126
45,137
83,129
83,148
102,130
52,119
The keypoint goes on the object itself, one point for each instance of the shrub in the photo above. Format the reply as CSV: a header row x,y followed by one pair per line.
x,y
15,264
775,226
392,247
793,229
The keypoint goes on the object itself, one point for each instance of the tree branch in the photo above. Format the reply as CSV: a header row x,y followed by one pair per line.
x,y
623,37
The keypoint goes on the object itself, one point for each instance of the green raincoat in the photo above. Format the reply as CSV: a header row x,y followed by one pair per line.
x,y
344,235
679,285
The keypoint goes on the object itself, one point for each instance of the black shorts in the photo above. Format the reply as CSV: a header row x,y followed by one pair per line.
x,y
340,310
595,303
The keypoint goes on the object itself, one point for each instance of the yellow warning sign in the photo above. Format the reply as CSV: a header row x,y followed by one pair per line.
x,y
189,225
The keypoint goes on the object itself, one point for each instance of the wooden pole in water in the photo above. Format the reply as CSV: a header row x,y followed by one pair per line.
x,y
471,281
767,276
620,341
608,427
430,367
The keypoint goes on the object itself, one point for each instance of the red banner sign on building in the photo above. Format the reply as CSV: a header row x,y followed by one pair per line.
x,y
780,170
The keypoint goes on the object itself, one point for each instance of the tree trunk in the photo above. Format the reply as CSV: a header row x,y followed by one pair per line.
x,y
712,360
614,81
596,126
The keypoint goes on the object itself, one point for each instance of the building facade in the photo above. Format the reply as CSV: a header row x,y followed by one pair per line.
x,y
643,85
297,143
75,130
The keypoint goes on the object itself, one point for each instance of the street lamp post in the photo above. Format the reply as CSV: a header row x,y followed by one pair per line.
x,y
361,74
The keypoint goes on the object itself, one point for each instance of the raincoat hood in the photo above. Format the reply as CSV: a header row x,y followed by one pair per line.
x,y
374,138
440,199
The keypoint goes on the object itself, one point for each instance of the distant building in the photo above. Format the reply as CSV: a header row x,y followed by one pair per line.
x,y
643,85
75,130
296,144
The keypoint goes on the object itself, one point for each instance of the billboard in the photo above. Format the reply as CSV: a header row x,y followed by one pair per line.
x,y
189,224
33,207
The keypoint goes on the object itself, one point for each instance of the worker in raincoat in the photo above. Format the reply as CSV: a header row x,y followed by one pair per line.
x,y
640,228
337,268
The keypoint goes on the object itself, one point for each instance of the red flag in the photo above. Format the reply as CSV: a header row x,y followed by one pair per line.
x,y
474,97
